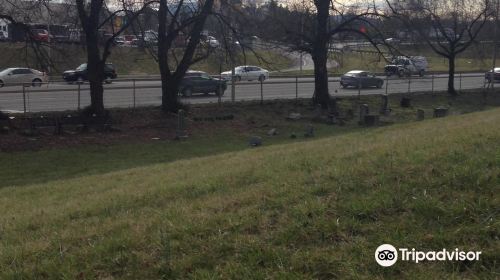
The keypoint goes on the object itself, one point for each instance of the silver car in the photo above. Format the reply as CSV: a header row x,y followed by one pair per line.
x,y
247,73
22,76
360,79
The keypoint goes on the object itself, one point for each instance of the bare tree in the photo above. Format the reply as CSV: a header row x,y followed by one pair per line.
x,y
448,27
316,23
94,15
183,21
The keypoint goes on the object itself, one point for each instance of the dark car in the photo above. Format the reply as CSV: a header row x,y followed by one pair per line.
x,y
80,74
201,82
360,79
493,75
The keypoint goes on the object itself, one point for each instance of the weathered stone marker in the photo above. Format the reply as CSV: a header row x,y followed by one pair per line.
x,y
309,131
181,132
440,112
405,102
255,141
384,108
420,115
363,111
371,120
272,132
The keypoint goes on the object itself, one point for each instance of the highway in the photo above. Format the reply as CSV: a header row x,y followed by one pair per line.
x,y
59,96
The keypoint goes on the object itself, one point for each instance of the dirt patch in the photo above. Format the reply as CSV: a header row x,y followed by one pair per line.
x,y
143,125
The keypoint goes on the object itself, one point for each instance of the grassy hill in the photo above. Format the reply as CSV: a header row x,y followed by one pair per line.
x,y
309,210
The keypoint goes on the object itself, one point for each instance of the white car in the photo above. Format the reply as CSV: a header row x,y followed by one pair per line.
x,y
212,42
247,73
19,76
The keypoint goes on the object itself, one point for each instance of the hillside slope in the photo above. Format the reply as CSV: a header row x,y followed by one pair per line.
x,y
312,210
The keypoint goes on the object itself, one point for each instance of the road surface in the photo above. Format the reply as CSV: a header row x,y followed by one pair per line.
x,y
60,96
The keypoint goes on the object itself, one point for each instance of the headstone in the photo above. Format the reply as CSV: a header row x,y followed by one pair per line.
x,y
363,111
181,132
294,116
405,102
309,132
349,114
384,108
255,141
272,132
371,120
420,115
440,112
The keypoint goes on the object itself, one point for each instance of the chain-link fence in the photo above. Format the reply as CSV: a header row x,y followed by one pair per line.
x,y
131,93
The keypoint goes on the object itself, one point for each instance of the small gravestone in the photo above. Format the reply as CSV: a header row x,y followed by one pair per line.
x,y
420,115
4,130
349,114
371,120
405,102
363,111
255,141
384,108
294,116
272,132
309,131
440,112
181,132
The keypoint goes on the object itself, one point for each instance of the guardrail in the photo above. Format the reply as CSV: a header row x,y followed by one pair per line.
x,y
132,93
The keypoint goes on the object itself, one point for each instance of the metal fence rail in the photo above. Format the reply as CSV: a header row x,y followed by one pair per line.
x,y
131,93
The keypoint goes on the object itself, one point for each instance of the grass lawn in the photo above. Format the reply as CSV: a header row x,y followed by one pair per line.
x,y
308,210
132,61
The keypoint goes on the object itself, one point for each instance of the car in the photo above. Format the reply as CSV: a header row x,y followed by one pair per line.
x,y
119,41
201,82
360,79
212,42
40,35
80,74
247,73
407,66
25,76
495,73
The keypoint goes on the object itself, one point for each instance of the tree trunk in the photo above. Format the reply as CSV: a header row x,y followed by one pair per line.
x,y
95,70
451,77
320,55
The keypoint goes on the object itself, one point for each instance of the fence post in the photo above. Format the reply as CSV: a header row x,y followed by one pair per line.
x,y
432,88
79,96
409,84
460,87
261,91
24,98
296,89
133,93
386,84
359,89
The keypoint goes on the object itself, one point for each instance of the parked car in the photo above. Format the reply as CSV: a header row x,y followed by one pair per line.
x,y
201,82
407,66
212,42
119,41
18,76
493,75
40,35
80,74
247,73
360,79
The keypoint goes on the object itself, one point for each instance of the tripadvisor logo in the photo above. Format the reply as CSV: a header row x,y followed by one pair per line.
x,y
387,255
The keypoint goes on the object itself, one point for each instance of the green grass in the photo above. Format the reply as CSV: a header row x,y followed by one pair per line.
x,y
309,210
130,61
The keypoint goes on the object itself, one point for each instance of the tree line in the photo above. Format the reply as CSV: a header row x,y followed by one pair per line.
x,y
308,26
